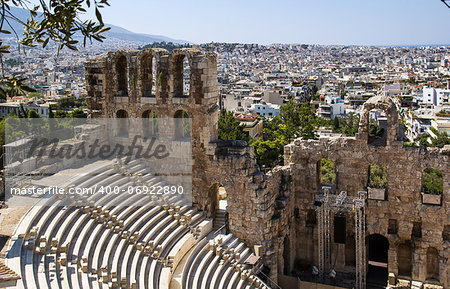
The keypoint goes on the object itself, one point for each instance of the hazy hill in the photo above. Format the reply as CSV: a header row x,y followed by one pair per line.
x,y
115,32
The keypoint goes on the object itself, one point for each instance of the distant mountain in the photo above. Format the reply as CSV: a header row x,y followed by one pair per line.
x,y
116,32
126,35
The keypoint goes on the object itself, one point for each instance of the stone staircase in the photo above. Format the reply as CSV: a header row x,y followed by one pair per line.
x,y
219,220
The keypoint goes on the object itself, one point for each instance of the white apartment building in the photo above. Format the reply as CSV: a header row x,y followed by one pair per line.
x,y
265,109
12,108
438,97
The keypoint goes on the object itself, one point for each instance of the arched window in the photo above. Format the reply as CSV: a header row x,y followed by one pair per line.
x,y
432,264
122,76
147,70
377,127
149,123
182,125
181,76
122,129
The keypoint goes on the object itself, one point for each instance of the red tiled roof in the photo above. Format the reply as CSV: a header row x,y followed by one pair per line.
x,y
246,116
7,274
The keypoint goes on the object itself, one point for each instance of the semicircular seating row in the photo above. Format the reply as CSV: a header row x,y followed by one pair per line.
x,y
137,244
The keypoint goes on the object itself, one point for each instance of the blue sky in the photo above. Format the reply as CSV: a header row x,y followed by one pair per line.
x,y
364,22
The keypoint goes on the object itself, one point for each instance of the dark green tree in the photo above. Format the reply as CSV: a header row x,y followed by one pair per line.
x,y
33,114
441,140
432,181
229,128
61,114
78,113
267,152
336,125
307,121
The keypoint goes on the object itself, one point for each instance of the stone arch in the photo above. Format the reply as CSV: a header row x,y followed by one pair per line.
x,y
389,106
147,75
149,123
182,127
404,259
432,263
121,113
180,68
121,69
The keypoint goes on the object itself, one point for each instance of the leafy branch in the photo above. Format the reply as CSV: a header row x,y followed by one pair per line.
x,y
59,22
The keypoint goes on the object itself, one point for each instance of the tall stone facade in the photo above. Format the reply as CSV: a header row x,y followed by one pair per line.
x,y
275,211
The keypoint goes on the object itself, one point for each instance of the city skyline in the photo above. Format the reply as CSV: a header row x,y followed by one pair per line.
x,y
351,22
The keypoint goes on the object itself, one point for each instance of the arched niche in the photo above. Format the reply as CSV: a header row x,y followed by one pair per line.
x,y
149,123
181,75
182,125
148,75
121,73
389,106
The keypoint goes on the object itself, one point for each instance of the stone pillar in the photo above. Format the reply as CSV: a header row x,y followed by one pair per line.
x,y
392,260
419,264
162,93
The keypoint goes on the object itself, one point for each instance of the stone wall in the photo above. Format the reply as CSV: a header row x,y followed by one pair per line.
x,y
403,204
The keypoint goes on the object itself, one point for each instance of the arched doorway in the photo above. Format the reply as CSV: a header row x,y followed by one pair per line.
x,y
378,260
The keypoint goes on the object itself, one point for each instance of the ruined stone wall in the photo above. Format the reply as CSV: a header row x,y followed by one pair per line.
x,y
119,85
403,204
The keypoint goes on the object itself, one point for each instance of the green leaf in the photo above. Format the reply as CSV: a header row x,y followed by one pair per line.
x,y
28,89
98,15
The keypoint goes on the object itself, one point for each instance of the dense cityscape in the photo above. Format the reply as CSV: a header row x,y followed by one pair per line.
x,y
258,79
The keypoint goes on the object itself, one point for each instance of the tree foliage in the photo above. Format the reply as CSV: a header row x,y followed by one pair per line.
x,y
327,172
441,139
376,131
347,126
295,120
432,181
229,128
377,176
59,22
